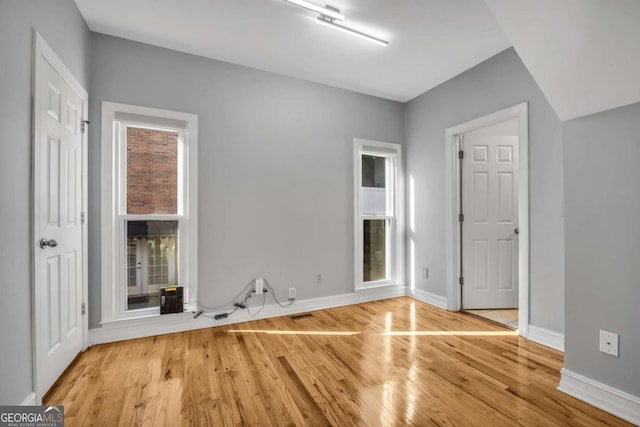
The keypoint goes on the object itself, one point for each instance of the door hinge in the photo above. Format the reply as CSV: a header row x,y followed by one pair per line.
x,y
83,308
460,217
461,154
83,125
82,217
461,280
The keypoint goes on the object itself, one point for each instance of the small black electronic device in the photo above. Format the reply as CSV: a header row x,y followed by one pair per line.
x,y
171,300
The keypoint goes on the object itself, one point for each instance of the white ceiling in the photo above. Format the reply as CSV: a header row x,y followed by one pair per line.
x,y
430,41
584,54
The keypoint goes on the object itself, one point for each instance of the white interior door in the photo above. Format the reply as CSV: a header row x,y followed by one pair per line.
x,y
489,186
58,234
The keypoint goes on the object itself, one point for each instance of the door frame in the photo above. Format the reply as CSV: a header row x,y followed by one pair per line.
x,y
453,187
42,49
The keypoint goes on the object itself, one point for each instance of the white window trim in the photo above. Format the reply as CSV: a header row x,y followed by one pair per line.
x,y
365,146
113,298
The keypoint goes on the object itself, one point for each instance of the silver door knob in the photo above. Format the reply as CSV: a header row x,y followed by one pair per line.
x,y
517,230
51,243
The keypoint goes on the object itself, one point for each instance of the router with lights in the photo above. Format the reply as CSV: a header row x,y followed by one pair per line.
x,y
171,300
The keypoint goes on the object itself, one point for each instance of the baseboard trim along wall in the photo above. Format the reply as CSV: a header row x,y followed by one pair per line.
x,y
428,297
172,323
607,398
30,400
552,339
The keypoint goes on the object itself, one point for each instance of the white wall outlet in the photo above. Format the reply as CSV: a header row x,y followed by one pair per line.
x,y
318,277
292,294
609,343
425,273
259,285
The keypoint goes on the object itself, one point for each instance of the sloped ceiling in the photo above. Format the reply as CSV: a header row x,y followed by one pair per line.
x,y
430,40
584,54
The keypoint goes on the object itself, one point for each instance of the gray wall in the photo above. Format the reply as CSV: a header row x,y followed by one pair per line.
x,y
498,83
602,244
275,166
62,26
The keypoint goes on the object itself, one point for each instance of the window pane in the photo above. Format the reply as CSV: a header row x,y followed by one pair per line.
x,y
374,201
374,193
374,250
152,171
373,171
152,261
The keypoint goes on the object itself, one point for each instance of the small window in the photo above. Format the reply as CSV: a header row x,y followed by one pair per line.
x,y
379,224
150,240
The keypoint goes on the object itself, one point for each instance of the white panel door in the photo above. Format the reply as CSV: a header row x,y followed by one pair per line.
x,y
490,207
58,225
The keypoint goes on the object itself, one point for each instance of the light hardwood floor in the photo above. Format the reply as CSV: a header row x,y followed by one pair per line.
x,y
386,363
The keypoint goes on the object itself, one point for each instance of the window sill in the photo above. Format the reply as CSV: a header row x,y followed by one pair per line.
x,y
148,319
146,326
189,309
132,318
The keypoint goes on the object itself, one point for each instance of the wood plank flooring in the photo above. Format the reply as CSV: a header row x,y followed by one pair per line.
x,y
387,363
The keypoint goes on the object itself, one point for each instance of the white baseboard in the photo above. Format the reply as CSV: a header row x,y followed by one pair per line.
x,y
552,339
172,323
607,398
30,400
428,297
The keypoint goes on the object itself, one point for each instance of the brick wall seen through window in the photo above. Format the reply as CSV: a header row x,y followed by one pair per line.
x,y
152,171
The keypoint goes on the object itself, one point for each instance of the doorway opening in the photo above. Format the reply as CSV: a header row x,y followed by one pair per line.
x,y
487,241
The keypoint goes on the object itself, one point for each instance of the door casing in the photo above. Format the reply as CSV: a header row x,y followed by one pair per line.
x,y
42,49
452,205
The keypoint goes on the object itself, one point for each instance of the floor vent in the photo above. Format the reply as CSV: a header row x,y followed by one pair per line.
x,y
300,316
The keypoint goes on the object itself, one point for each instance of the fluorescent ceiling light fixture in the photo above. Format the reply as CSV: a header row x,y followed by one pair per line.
x,y
324,20
326,11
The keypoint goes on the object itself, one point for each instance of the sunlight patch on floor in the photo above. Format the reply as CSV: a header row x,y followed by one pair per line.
x,y
275,332
384,334
452,333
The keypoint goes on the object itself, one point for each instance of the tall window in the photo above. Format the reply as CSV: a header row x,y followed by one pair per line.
x,y
149,238
378,213
151,189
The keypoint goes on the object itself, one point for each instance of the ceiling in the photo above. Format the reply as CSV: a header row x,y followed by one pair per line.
x,y
582,53
429,41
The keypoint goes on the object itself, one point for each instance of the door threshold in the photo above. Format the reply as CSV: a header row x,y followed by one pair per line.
x,y
511,325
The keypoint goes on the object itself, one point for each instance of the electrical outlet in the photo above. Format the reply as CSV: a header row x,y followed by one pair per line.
x,y
318,277
609,343
425,273
292,294
259,285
